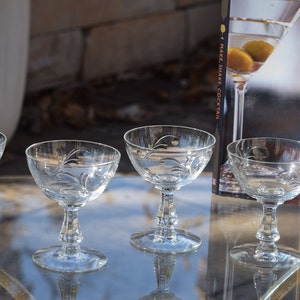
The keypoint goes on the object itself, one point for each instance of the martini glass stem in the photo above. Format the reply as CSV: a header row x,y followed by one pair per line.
x,y
268,234
238,119
166,216
70,234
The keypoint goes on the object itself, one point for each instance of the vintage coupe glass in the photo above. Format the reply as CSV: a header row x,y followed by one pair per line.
x,y
268,170
256,28
169,157
72,173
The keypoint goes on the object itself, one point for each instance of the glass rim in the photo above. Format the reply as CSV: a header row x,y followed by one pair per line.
x,y
266,139
4,138
169,126
117,152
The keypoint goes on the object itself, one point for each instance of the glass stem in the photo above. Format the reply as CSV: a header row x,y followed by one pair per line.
x,y
70,234
263,280
268,234
166,217
68,285
164,266
238,117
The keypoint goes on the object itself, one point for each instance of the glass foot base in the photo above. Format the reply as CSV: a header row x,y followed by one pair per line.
x,y
244,256
147,241
86,261
160,295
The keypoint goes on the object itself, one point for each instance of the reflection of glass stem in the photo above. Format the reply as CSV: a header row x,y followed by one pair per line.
x,y
231,235
70,233
238,118
68,285
282,285
263,280
229,274
164,266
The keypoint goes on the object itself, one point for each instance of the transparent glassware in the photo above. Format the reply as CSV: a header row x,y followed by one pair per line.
x,y
68,285
263,281
72,173
169,157
268,170
164,265
263,24
3,141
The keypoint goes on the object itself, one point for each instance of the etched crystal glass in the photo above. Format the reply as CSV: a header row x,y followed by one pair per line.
x,y
169,157
164,265
268,170
3,141
72,173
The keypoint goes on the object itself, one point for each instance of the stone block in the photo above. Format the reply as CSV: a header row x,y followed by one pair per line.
x,y
54,59
203,21
133,44
53,15
185,3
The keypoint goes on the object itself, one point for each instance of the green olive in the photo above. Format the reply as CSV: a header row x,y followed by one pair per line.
x,y
259,50
239,60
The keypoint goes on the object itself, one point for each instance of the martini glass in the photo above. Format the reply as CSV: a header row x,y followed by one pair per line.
x,y
268,170
169,157
72,173
256,28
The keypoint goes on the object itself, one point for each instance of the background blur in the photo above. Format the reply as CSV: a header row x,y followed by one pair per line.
x,y
92,69
95,68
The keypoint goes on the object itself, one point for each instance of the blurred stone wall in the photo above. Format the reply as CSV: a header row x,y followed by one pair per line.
x,y
80,40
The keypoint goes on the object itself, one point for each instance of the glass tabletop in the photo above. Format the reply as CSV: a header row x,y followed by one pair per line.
x,y
30,221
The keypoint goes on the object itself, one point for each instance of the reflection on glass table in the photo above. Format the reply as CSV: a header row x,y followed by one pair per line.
x,y
164,265
29,221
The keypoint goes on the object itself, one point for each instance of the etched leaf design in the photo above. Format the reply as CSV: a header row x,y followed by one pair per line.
x,y
65,171
168,140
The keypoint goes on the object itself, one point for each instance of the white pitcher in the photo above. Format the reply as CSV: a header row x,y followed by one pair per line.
x,y
14,40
